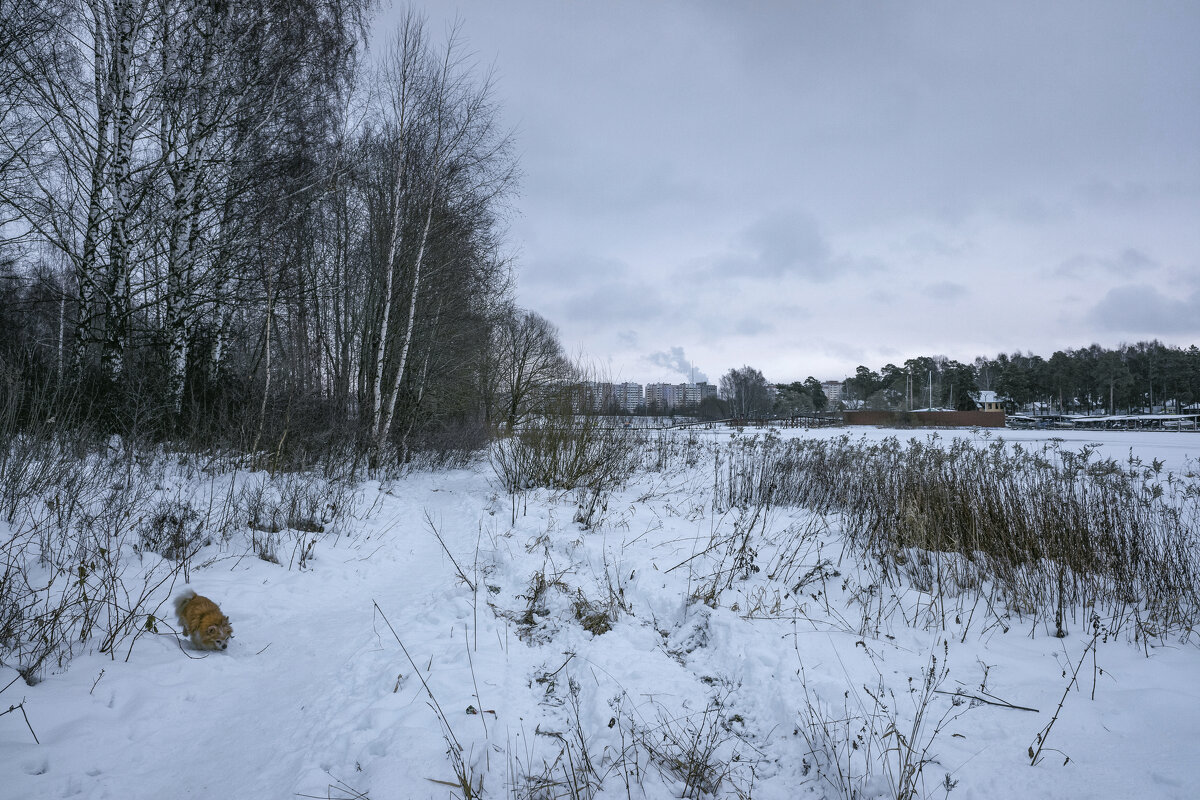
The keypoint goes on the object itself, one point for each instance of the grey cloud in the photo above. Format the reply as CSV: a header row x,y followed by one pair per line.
x,y
804,136
847,353
1142,309
613,190
628,338
848,264
676,360
924,244
610,302
573,269
1128,261
789,311
1127,196
784,245
753,326
946,290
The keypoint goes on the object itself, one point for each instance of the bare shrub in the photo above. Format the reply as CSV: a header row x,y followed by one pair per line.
x,y
295,509
737,553
94,539
65,568
451,446
567,453
572,773
671,451
173,529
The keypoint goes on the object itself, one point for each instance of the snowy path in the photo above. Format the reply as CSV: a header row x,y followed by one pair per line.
x,y
298,691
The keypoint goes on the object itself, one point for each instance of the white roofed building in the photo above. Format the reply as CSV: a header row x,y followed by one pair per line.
x,y
988,400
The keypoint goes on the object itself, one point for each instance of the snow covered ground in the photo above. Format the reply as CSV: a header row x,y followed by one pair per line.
x,y
544,652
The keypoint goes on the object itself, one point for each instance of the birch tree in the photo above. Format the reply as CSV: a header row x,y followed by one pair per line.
x,y
85,88
440,140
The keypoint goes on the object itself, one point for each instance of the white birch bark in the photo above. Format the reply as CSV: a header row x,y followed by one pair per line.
x,y
185,141
117,284
402,78
385,424
389,280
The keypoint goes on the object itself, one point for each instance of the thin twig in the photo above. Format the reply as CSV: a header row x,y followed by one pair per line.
x,y
446,550
1001,704
421,677
21,707
478,699
1045,732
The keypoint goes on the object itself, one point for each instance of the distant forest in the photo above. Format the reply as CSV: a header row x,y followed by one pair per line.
x,y
1133,377
220,223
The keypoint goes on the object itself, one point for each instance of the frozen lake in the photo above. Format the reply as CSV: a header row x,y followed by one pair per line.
x,y
1179,450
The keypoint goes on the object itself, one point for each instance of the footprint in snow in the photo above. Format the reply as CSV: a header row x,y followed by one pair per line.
x,y
36,766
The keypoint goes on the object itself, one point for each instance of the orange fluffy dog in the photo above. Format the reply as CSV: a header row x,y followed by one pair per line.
x,y
208,628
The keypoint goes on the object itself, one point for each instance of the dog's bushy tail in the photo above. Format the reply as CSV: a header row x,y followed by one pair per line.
x,y
181,599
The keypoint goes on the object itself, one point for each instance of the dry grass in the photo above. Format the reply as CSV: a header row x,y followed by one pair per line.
x,y
1052,533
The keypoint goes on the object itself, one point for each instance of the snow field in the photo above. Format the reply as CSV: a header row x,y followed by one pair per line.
x,y
316,696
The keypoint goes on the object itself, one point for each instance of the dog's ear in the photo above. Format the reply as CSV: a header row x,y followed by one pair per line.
x,y
212,628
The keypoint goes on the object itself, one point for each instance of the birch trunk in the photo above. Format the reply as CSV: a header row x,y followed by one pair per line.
x,y
385,424
88,266
117,284
389,281
188,130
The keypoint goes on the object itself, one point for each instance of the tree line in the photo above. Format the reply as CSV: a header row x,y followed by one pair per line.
x,y
222,221
1141,377
1131,378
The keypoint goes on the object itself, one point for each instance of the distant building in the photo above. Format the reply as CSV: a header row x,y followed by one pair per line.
x,y
832,390
628,395
655,397
595,394
603,396
988,400
669,396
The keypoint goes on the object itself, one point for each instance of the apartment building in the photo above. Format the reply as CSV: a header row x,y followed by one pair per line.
x,y
627,395
666,396
832,390
601,395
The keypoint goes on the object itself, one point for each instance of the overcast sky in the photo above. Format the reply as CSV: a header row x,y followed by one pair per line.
x,y
809,186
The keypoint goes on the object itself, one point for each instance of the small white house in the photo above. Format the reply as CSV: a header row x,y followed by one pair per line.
x,y
988,400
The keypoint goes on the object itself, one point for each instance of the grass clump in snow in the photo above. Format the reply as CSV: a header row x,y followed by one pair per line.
x,y
1049,532
700,751
868,748
174,530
